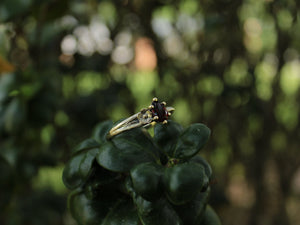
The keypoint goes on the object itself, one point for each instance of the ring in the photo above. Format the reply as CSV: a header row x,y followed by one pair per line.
x,y
156,112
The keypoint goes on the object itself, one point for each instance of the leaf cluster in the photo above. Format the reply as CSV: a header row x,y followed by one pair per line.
x,y
134,178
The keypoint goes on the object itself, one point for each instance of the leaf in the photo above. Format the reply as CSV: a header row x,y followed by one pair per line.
x,y
210,217
204,163
102,130
146,180
137,138
191,141
193,210
86,144
122,159
123,213
158,212
78,169
183,182
87,211
166,136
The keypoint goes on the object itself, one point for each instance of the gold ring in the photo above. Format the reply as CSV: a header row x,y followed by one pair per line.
x,y
156,112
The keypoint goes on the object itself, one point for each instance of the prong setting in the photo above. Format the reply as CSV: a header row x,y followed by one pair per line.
x,y
156,112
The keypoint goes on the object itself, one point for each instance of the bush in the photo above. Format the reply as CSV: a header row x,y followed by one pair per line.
x,y
133,178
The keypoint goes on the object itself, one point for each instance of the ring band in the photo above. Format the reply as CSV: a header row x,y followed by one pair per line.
x,y
156,112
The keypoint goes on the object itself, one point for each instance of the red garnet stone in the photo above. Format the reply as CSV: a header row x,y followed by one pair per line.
x,y
159,110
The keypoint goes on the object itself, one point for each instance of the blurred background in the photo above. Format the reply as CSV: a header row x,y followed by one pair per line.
x,y
66,65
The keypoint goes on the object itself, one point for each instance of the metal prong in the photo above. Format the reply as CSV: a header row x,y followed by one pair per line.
x,y
164,103
170,109
169,114
150,106
165,122
155,99
155,118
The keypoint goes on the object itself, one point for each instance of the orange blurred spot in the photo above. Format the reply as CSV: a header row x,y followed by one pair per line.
x,y
145,56
5,66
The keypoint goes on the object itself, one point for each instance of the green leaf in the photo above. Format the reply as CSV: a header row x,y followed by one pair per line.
x,y
146,180
191,141
87,211
193,210
86,144
210,217
166,136
158,212
137,138
204,163
122,159
101,130
123,213
79,167
184,181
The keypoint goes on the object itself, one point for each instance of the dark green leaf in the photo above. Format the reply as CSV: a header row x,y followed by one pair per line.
x,y
102,130
86,144
210,217
86,211
158,212
191,141
136,138
78,169
123,213
166,135
193,210
184,181
146,179
122,159
204,163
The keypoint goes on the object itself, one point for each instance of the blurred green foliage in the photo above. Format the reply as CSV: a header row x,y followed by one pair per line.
x,y
232,65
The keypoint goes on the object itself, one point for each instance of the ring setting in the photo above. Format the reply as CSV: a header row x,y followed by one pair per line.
x,y
156,112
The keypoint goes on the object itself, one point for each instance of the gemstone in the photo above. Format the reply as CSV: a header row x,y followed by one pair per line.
x,y
159,110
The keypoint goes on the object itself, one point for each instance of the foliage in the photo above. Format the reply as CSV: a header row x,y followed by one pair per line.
x,y
134,178
233,65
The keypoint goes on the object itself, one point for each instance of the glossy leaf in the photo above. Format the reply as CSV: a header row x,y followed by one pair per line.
x,y
166,135
86,144
102,130
146,180
136,138
122,159
204,163
79,167
193,210
184,181
158,212
191,141
210,217
86,211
